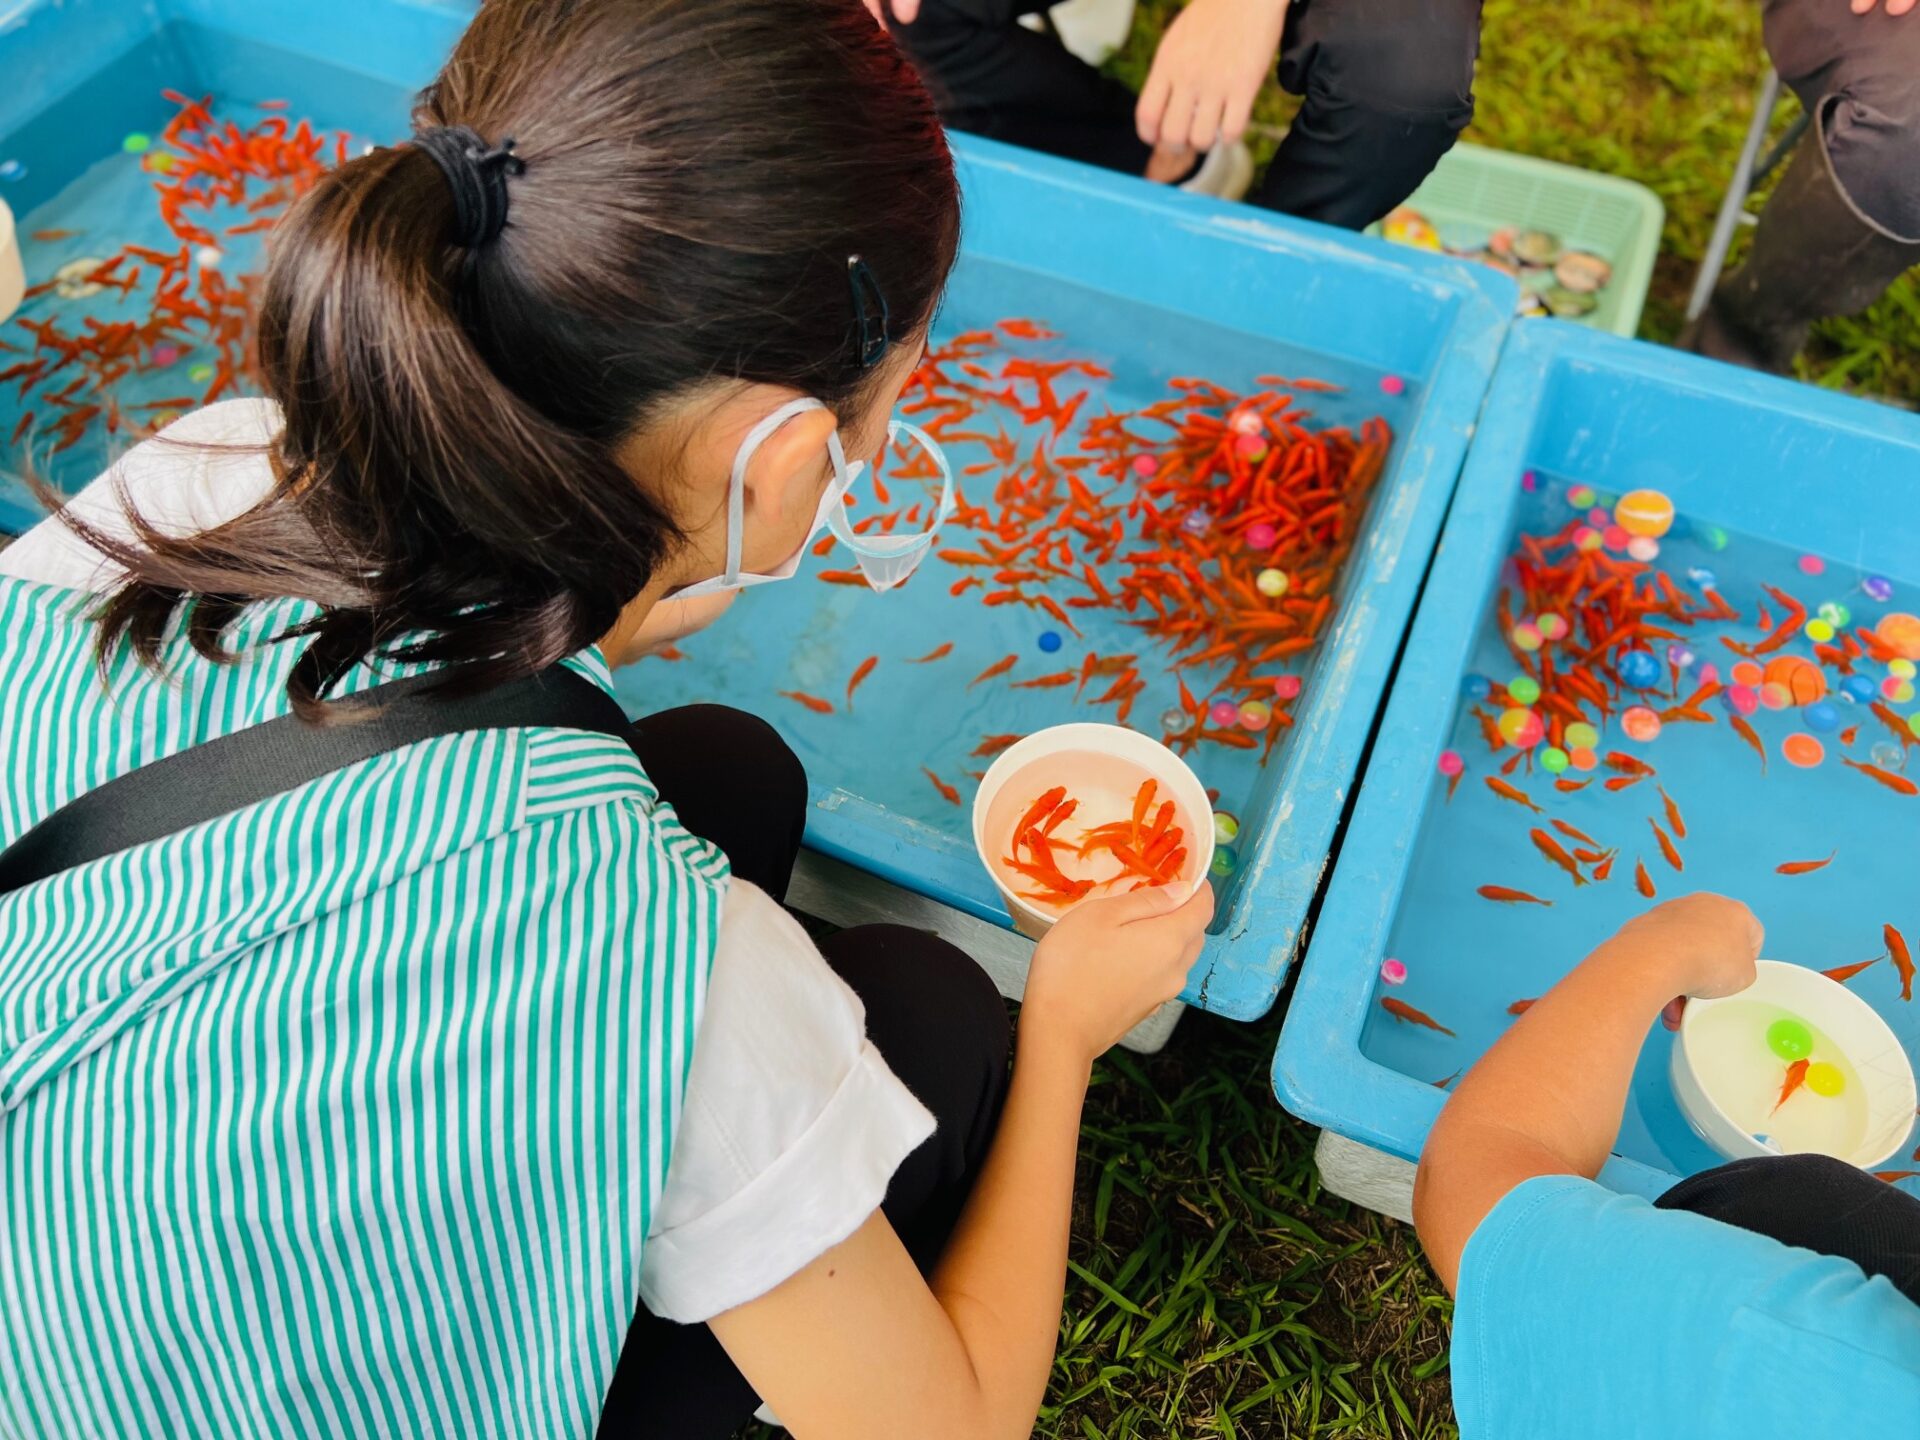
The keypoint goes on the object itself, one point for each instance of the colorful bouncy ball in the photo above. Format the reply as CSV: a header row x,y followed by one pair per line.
x,y
1644,513
1640,669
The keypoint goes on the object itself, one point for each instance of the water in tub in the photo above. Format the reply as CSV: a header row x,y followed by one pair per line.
x,y
1746,1051
1773,756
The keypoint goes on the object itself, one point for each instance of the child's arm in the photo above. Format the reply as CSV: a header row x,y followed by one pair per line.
x,y
1207,72
857,1346
1547,1099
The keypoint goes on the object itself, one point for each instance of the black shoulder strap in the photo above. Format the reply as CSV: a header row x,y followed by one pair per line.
x,y
255,764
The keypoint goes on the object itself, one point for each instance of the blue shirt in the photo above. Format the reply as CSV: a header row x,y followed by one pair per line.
x,y
1586,1313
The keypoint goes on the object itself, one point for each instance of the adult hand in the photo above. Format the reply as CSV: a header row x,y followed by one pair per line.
x,y
1110,962
1210,65
1867,7
905,10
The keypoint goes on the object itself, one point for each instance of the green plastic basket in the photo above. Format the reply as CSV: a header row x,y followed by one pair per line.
x,y
1618,220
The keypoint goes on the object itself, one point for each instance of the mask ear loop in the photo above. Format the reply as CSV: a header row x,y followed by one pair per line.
x,y
888,546
737,485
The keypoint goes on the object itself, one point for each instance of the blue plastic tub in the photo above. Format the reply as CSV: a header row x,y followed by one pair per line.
x,y
1150,283
1781,473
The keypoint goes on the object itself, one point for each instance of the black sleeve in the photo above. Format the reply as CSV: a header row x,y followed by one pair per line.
x,y
1816,1203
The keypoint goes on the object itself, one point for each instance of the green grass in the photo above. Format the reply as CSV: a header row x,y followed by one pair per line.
x,y
1216,1290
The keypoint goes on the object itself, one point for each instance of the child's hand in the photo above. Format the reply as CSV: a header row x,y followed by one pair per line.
x,y
1210,65
1107,965
903,10
1707,942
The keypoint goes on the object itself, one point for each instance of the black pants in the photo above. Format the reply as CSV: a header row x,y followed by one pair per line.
x,y
1860,74
931,1012
1388,86
1815,1203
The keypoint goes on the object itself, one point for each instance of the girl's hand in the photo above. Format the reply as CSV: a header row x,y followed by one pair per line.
x,y
1707,943
903,10
1210,65
1109,963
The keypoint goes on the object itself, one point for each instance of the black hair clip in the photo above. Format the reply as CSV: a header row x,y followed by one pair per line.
x,y
873,329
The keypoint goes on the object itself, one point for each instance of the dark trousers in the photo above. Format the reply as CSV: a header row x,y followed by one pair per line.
x,y
1860,76
1816,1203
931,1012
1388,85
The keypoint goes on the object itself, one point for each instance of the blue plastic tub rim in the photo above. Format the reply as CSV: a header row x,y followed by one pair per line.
x,y
1319,1072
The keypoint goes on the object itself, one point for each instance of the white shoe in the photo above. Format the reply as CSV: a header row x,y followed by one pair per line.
x,y
1226,173
1090,29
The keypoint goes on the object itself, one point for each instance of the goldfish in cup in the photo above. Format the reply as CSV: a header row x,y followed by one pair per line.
x,y
1079,811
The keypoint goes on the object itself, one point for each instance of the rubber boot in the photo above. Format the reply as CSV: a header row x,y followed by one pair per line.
x,y
1814,255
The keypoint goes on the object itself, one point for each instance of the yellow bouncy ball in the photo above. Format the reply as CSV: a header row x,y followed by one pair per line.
x,y
1644,512
1825,1079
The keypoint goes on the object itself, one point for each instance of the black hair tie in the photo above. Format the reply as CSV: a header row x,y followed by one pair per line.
x,y
477,176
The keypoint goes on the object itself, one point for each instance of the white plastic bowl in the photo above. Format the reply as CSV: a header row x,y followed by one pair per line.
x,y
13,278
1148,755
1869,1045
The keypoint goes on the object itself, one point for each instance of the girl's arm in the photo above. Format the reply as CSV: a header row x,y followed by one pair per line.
x,y
858,1343
1548,1097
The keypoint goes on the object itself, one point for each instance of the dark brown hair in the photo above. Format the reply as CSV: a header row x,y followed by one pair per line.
x,y
698,173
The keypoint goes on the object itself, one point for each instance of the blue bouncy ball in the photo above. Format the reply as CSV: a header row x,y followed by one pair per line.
x,y
12,170
1859,687
1701,578
1822,716
1640,669
1050,640
1475,687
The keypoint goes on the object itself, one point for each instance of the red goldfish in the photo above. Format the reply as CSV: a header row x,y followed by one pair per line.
x,y
1510,897
1406,1014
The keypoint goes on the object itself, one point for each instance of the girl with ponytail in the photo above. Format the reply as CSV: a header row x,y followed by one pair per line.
x,y
474,1081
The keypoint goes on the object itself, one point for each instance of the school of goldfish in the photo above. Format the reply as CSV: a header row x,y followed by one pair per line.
x,y
1150,851
1604,608
1216,522
190,315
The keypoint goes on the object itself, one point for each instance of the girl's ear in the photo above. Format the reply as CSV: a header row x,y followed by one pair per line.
x,y
785,474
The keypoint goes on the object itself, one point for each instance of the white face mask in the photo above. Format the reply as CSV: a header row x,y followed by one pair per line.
x,y
885,560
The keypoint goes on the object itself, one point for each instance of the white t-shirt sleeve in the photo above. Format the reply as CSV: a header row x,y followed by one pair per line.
x,y
203,469
791,1128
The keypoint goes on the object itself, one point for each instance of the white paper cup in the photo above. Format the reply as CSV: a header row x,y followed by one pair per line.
x,y
1862,1036
13,277
1149,756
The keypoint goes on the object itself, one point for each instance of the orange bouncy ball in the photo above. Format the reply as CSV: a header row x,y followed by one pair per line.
x,y
1900,633
1644,512
1803,680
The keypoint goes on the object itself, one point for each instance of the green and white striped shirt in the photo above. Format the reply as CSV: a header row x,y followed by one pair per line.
x,y
344,1114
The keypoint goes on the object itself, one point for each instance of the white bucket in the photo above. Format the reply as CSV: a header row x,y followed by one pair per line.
x,y
13,277
1861,1035
1149,756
